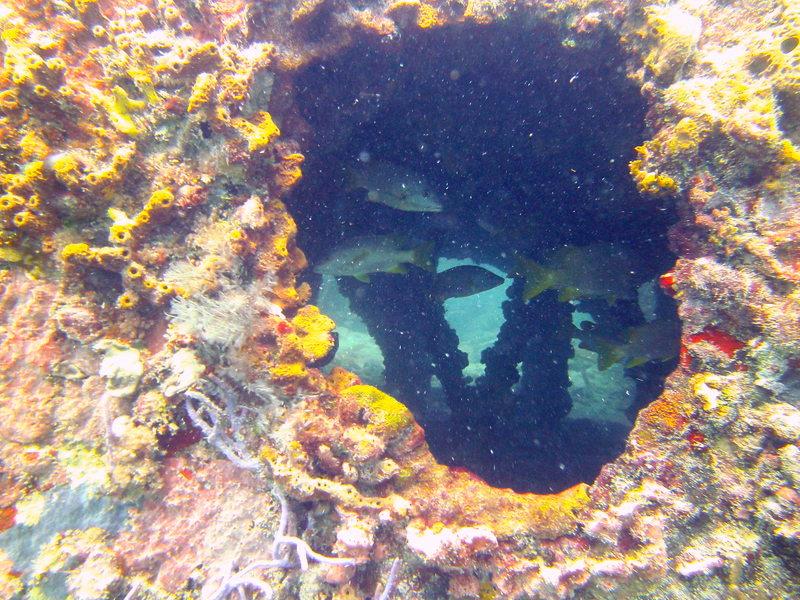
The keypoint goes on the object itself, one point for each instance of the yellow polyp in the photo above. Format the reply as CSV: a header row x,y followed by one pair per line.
x,y
113,258
160,200
233,87
32,146
10,202
280,246
289,371
83,5
788,152
202,90
67,170
134,271
33,171
56,64
21,218
77,253
120,234
171,13
119,161
35,62
142,218
48,245
258,134
34,201
118,109
144,83
9,99
127,300
41,90
384,414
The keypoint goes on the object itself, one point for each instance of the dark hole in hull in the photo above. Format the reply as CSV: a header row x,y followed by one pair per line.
x,y
525,142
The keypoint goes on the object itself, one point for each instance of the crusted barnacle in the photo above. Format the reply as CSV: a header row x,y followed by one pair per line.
x,y
202,90
258,134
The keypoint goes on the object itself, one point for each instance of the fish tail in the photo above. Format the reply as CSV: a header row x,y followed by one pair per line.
x,y
423,257
537,278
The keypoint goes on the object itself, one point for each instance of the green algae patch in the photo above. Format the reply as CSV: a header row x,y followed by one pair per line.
x,y
385,415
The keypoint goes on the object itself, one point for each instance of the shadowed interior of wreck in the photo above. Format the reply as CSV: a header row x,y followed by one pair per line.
x,y
524,139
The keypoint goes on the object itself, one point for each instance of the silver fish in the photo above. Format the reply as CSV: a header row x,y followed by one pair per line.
x,y
395,186
362,256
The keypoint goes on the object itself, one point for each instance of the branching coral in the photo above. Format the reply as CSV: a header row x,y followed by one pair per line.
x,y
215,422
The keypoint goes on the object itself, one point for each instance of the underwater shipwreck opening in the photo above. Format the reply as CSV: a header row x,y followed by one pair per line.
x,y
471,225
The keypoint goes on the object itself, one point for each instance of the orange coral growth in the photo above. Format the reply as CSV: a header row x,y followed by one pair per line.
x,y
668,413
7,515
288,170
455,497
425,15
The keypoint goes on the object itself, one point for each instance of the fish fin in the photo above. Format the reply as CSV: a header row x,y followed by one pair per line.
x,y
537,278
608,355
423,257
635,362
362,277
398,270
568,294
